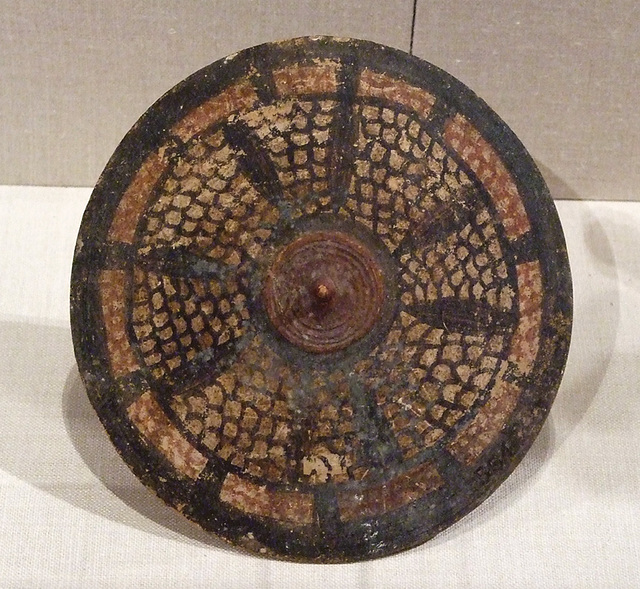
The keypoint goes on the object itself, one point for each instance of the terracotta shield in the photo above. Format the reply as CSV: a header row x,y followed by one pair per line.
x,y
321,300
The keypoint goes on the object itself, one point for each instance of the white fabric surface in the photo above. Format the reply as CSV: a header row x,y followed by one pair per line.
x,y
72,515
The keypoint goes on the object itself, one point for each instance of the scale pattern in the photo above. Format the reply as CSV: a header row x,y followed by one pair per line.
x,y
208,205
401,176
296,136
467,265
175,319
331,445
431,376
244,416
426,379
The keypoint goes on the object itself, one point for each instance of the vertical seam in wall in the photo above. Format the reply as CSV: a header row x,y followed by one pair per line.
x,y
413,26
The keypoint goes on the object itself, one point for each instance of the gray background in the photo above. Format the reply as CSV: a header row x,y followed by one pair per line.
x,y
75,75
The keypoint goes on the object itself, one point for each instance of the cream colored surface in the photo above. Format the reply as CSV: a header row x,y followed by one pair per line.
x,y
76,75
565,76
72,515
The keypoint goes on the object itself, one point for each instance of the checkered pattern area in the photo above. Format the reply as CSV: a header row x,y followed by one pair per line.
x,y
332,438
400,174
485,162
426,378
467,265
175,319
207,204
296,136
243,417
432,376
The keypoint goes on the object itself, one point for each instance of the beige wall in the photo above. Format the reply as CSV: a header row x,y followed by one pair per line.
x,y
564,75
75,75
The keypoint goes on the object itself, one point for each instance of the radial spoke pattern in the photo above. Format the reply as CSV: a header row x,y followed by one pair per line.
x,y
296,136
467,265
244,416
261,416
313,312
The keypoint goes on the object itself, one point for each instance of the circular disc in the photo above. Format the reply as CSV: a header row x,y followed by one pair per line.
x,y
321,300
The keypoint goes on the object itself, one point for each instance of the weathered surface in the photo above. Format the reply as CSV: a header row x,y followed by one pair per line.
x,y
324,291
321,300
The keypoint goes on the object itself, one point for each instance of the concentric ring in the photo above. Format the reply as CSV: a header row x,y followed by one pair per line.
x,y
324,291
